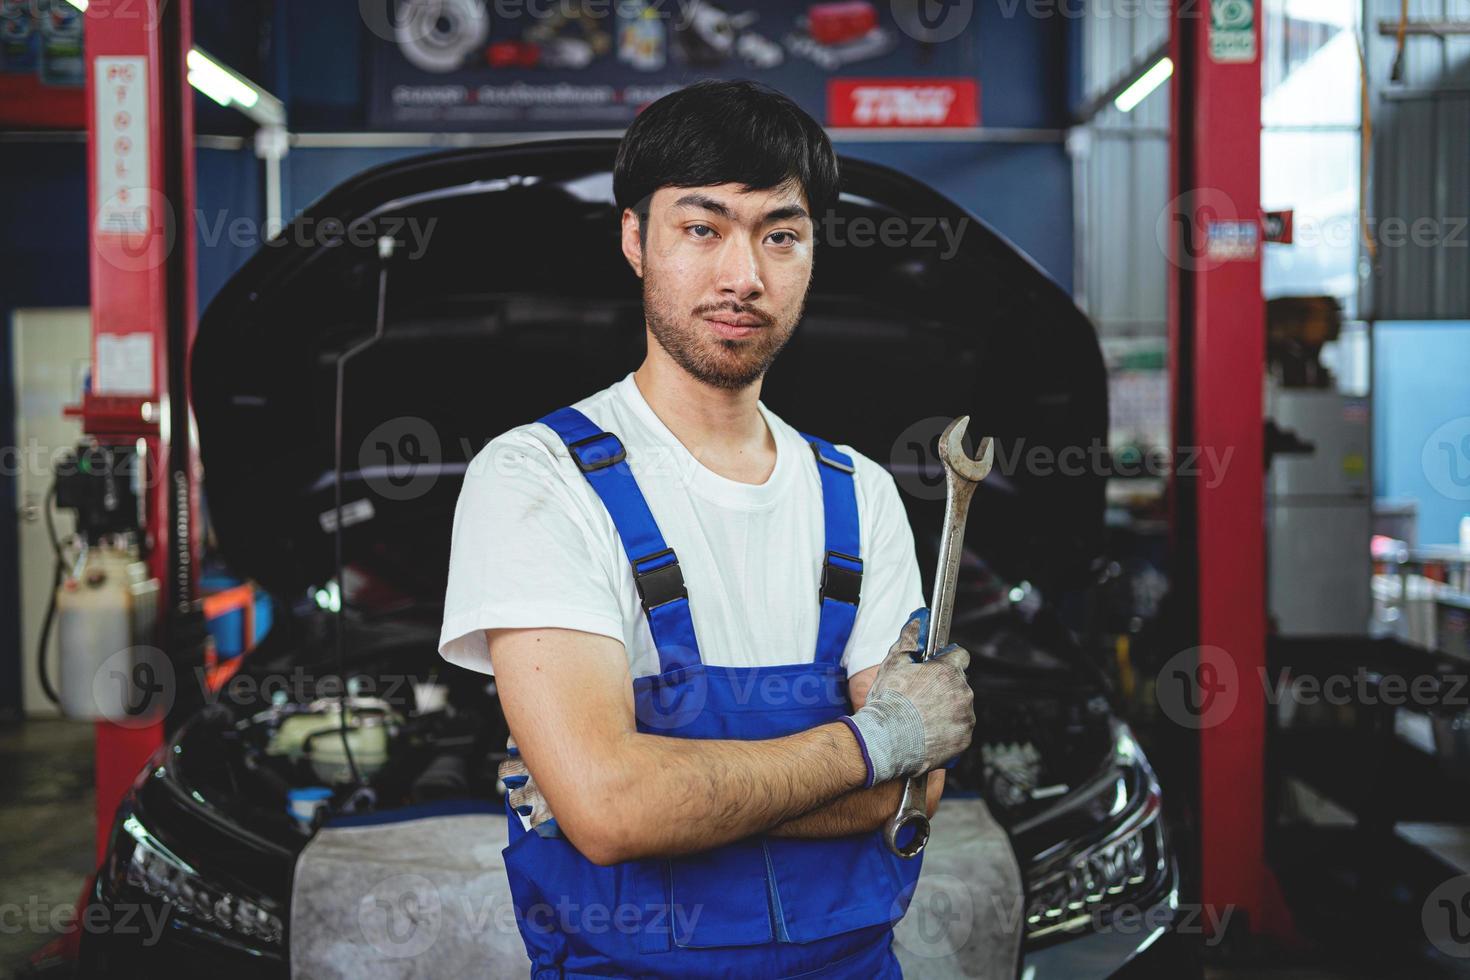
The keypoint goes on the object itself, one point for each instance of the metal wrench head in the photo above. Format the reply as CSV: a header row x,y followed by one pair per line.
x,y
956,460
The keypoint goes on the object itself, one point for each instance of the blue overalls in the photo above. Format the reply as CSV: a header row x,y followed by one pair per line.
x,y
759,907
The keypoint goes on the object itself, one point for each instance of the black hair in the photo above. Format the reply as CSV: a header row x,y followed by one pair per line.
x,y
724,132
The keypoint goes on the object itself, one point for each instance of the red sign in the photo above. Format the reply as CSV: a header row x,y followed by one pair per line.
x,y
888,102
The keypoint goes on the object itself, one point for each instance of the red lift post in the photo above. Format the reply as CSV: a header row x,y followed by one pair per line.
x,y
1217,360
140,168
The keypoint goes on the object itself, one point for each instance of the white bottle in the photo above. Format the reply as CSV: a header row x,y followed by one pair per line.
x,y
105,619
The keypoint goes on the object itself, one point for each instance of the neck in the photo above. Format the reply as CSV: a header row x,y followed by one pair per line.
x,y
716,425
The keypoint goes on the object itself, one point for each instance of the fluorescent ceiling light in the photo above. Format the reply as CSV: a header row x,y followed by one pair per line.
x,y
230,88
209,85
218,82
1129,98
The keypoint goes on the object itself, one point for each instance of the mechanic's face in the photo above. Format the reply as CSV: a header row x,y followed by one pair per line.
x,y
725,273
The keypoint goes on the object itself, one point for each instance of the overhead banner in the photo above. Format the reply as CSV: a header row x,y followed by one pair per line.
x,y
536,65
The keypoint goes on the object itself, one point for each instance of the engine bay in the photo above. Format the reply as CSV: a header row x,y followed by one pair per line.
x,y
273,750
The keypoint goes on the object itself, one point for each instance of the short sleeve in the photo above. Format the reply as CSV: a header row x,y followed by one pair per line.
x,y
526,552
891,585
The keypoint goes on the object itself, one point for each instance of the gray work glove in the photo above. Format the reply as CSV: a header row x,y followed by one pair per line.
x,y
523,793
918,714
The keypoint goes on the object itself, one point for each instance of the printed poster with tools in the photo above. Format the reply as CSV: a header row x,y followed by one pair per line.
x,y
42,70
539,65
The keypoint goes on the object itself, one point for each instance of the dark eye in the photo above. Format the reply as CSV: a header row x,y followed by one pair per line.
x,y
701,231
783,238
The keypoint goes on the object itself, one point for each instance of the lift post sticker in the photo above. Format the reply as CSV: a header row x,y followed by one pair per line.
x,y
1232,31
121,85
125,364
1232,240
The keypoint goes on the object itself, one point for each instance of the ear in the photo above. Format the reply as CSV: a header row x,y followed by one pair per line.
x,y
632,242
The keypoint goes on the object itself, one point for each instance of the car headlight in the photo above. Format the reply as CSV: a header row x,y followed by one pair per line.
x,y
1078,887
140,861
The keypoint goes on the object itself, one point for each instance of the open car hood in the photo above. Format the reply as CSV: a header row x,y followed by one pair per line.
x,y
507,296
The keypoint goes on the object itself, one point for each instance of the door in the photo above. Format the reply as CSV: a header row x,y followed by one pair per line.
x,y
53,353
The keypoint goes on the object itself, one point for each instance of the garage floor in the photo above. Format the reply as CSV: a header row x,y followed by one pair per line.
x,y
46,825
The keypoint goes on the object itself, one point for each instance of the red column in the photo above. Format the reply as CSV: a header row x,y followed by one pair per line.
x,y
1217,333
140,147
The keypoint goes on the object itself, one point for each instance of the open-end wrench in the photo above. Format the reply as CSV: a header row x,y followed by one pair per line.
x,y
961,475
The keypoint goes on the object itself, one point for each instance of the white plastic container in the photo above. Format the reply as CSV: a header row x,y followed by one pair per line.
x,y
105,621
329,756
315,735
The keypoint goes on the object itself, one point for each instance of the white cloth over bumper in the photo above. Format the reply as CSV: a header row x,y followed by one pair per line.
x,y
418,893
968,912
424,895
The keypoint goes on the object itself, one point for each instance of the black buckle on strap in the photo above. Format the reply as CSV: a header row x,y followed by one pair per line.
x,y
597,462
659,586
840,582
835,464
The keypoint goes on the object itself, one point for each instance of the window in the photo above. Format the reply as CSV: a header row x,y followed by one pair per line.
x,y
1310,147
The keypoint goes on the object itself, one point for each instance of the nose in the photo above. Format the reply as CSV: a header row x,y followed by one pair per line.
x,y
738,274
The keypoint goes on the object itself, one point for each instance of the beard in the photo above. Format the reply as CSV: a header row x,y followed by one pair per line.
x,y
715,361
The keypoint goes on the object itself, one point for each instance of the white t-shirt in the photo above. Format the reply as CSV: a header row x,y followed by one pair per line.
x,y
534,546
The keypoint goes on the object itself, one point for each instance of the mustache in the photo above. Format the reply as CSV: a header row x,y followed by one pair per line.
x,y
765,318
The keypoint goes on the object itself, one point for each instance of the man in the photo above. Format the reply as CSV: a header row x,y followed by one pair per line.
x,y
690,608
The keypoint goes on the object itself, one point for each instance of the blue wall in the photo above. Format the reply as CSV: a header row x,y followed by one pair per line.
x,y
1022,190
1421,425
228,188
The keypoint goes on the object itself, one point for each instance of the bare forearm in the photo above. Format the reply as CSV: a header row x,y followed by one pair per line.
x,y
659,796
857,812
619,794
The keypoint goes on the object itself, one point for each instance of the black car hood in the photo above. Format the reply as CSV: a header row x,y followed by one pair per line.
x,y
507,296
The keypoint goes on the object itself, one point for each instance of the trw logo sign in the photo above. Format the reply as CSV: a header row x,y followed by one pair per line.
x,y
876,102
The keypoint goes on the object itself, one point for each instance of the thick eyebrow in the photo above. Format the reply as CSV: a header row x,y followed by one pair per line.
x,y
785,213
706,203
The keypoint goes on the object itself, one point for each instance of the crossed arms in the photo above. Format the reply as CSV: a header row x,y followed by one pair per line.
x,y
619,794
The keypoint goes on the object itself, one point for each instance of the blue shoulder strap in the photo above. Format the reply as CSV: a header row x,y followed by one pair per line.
x,y
842,566
600,457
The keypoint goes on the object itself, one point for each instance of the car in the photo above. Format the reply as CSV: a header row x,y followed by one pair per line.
x,y
421,308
